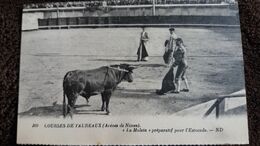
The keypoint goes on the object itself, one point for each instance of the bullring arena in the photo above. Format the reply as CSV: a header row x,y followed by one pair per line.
x,y
214,58
60,37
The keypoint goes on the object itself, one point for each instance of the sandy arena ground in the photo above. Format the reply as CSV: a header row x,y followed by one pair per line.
x,y
214,57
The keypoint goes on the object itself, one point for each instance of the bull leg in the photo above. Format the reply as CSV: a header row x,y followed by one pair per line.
x,y
87,100
70,108
71,103
108,95
103,101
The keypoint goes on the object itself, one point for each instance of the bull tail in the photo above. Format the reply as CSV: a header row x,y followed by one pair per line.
x,y
64,108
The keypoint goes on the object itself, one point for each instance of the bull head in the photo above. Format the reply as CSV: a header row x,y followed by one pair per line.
x,y
128,67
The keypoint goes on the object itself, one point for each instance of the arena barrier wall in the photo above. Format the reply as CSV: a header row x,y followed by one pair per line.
x,y
223,106
137,21
30,20
191,14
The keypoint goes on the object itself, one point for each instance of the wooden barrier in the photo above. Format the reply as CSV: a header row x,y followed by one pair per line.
x,y
133,15
134,20
219,105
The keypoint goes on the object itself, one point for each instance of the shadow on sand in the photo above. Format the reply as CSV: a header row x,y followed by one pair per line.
x,y
152,65
140,64
113,60
56,111
240,110
151,94
135,93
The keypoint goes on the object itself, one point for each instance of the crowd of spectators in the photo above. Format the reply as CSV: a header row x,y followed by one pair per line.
x,y
64,4
104,3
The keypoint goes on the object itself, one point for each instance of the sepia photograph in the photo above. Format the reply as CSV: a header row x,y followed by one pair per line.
x,y
126,60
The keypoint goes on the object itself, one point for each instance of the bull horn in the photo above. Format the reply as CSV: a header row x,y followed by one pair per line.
x,y
134,66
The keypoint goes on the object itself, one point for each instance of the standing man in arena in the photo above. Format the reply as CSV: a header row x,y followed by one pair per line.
x,y
168,80
169,47
180,61
142,54
171,83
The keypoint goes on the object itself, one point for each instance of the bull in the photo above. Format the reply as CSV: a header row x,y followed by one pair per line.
x,y
87,83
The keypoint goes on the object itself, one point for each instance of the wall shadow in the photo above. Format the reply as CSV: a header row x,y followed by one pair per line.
x,y
113,60
151,94
139,64
135,93
240,110
57,111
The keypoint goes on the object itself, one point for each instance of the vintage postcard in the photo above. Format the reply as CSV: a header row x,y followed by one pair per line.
x,y
132,72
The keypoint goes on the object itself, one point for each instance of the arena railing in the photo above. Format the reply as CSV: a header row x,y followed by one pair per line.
x,y
219,105
125,6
